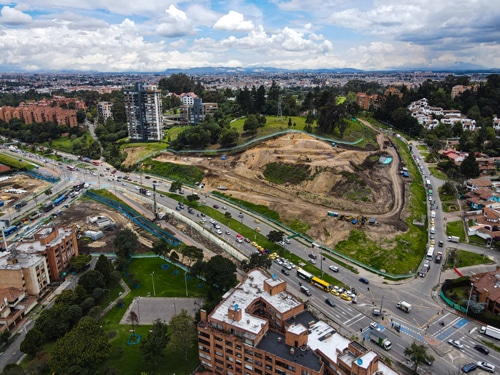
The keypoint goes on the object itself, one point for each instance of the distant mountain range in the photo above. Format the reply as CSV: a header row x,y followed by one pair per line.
x,y
458,67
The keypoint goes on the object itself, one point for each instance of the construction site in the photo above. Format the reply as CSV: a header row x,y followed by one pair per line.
x,y
351,182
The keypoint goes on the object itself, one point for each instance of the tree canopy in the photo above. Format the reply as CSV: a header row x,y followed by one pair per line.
x,y
83,348
182,332
220,272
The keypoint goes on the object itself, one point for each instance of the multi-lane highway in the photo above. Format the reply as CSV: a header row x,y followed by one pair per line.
x,y
429,321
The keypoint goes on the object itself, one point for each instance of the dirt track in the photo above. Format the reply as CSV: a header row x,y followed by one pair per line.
x,y
382,187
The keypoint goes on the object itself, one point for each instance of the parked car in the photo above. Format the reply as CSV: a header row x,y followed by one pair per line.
x,y
364,280
486,366
334,268
457,344
469,367
482,349
330,302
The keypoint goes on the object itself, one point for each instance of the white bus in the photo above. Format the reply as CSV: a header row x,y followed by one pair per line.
x,y
430,253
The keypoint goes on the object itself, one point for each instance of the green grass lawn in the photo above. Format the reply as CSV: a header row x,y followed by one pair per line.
x,y
455,228
450,206
15,163
467,258
437,173
128,358
149,148
423,148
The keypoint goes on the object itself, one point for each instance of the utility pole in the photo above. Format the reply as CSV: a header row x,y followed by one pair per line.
x,y
154,201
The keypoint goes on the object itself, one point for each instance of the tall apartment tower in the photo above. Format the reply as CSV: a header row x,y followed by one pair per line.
x,y
144,113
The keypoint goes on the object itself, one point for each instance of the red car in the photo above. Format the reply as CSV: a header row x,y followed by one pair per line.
x,y
216,206
247,240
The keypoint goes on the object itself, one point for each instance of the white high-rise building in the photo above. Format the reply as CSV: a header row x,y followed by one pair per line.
x,y
144,113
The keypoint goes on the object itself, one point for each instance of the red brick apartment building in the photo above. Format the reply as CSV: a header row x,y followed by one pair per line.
x,y
261,329
57,244
45,110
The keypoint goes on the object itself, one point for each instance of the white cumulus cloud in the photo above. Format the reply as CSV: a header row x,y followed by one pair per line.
x,y
234,21
14,17
175,24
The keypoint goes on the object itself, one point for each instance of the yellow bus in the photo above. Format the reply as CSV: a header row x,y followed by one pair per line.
x,y
322,284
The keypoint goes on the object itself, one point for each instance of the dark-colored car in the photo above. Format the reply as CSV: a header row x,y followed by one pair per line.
x,y
364,280
469,367
482,349
330,302
285,272
440,244
428,361
216,206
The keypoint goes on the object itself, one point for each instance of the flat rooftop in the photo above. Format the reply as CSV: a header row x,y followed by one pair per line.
x,y
242,296
275,343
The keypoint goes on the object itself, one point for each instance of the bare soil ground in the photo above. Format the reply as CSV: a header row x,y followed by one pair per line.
x,y
77,216
22,182
133,154
383,189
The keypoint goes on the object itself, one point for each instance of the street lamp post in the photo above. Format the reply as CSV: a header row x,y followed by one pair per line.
x,y
468,302
153,280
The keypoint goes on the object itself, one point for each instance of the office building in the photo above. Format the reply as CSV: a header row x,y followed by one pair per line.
x,y
144,113
259,328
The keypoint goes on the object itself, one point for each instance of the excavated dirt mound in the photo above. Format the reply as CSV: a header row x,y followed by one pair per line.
x,y
350,182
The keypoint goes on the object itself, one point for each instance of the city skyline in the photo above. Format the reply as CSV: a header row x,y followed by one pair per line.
x,y
154,36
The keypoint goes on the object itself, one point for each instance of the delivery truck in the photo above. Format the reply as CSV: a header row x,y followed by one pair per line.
x,y
454,239
380,339
490,331
405,306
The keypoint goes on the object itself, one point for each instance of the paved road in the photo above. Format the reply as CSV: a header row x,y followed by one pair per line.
x,y
422,324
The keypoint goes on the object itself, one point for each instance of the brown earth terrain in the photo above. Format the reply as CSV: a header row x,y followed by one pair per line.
x,y
31,186
348,181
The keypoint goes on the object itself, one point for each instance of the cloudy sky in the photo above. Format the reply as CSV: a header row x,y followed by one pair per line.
x,y
154,35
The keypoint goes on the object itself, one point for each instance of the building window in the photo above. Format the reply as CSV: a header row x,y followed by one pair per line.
x,y
229,351
249,352
248,359
205,356
258,355
229,343
268,359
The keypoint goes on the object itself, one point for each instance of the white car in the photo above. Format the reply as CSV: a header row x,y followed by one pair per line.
x,y
334,268
456,343
218,231
239,240
486,366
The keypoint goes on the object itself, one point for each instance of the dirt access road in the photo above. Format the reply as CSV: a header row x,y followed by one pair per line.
x,y
341,179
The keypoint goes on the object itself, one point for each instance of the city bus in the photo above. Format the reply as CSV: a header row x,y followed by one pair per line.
x,y
322,284
304,275
430,253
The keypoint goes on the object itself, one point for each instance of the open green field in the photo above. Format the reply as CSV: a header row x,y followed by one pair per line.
x,y
456,228
65,144
438,173
463,258
423,148
146,149
15,163
127,359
